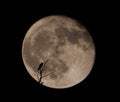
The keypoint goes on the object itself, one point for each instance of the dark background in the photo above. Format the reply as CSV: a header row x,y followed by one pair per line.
x,y
92,87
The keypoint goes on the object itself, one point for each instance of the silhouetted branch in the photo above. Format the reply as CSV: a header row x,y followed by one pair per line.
x,y
46,75
42,67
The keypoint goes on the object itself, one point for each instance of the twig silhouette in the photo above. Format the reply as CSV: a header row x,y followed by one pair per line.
x,y
42,67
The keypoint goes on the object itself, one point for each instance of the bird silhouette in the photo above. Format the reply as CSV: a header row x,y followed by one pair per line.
x,y
42,67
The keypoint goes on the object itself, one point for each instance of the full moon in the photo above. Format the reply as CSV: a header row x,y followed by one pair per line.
x,y
63,49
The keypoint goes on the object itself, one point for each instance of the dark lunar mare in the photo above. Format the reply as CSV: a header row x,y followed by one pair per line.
x,y
72,36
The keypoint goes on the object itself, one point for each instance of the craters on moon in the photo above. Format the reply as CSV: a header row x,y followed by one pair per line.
x,y
80,38
63,43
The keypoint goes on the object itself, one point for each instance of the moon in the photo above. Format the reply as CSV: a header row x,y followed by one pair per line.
x,y
67,47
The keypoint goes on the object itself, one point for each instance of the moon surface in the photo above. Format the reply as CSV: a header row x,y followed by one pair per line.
x,y
66,44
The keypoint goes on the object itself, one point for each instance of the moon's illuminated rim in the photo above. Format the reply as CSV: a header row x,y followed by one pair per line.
x,y
78,70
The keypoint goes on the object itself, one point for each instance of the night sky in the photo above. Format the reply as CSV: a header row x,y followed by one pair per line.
x,y
92,86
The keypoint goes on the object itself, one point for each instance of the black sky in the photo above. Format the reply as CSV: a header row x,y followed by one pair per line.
x,y
93,85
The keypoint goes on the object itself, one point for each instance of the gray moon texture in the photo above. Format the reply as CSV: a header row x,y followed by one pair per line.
x,y
67,45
